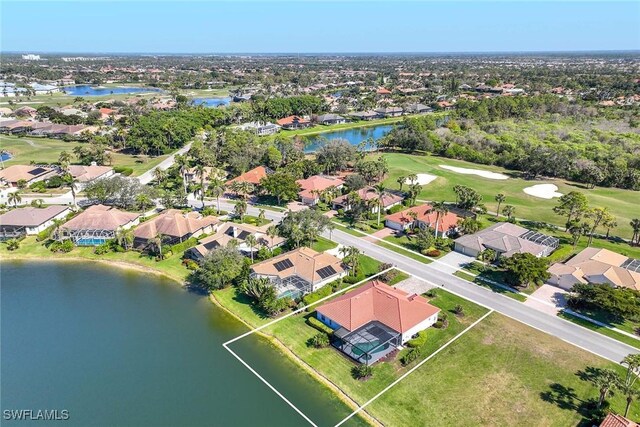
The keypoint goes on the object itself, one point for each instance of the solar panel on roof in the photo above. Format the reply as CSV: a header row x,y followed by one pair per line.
x,y
325,272
283,265
37,171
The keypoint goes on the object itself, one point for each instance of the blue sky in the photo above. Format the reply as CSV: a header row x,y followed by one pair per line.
x,y
315,26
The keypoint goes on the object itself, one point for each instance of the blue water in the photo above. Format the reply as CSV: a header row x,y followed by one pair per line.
x,y
211,102
90,242
4,156
86,90
354,136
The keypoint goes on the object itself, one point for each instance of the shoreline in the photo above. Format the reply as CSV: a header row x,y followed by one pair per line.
x,y
335,390
275,342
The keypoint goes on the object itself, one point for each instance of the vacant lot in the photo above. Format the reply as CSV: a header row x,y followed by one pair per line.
x,y
500,373
622,203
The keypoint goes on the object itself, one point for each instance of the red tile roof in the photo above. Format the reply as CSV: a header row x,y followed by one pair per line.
x,y
615,420
292,119
253,176
376,300
383,91
425,216
318,183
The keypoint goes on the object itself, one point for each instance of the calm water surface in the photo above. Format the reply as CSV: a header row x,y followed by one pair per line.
x,y
211,102
118,348
87,90
354,136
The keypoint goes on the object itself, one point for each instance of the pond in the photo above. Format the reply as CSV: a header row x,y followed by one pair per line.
x,y
211,102
117,347
354,136
87,90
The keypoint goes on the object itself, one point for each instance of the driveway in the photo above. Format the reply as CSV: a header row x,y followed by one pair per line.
x,y
548,299
147,177
413,285
452,262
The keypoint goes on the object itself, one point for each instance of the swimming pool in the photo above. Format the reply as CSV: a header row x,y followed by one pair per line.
x,y
90,242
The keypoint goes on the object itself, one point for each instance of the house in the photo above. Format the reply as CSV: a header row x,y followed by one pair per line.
x,y
383,91
293,122
595,265
25,111
228,232
330,119
365,115
366,194
85,174
506,239
28,173
444,105
418,109
300,271
375,319
174,226
312,187
16,126
425,217
97,224
389,111
615,420
29,221
253,176
260,129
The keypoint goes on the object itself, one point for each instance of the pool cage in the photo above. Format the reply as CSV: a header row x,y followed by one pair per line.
x,y
293,287
632,265
541,239
367,344
86,237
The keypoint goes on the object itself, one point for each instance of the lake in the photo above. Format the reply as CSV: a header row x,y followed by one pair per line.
x,y
354,136
87,90
116,347
211,102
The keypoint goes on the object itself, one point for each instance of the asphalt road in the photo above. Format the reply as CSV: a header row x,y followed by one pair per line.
x,y
581,337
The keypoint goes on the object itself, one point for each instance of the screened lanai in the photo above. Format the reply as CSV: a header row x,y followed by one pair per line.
x,y
369,343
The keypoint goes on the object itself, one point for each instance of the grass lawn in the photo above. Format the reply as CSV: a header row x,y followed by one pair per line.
x,y
498,289
29,248
46,150
500,373
622,203
604,331
323,244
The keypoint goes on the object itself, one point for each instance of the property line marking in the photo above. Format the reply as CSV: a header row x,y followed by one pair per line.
x,y
409,372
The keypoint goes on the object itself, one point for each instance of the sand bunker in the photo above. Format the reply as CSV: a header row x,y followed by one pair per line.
x,y
544,191
479,172
425,178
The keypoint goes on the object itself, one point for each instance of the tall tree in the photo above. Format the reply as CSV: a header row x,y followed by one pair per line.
x,y
572,205
14,198
441,209
635,225
251,241
500,198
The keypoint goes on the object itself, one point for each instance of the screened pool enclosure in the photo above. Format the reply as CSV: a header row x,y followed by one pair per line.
x,y
367,344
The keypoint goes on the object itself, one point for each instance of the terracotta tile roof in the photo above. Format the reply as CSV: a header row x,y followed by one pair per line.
x,y
88,173
230,231
292,119
368,193
615,420
595,265
305,263
317,182
425,216
383,91
15,173
376,300
253,176
100,217
174,223
31,217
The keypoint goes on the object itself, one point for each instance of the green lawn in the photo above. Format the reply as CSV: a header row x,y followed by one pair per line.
x,y
604,331
323,244
622,203
501,373
497,289
46,150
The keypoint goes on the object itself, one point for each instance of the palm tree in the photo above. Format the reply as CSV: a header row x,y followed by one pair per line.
x,y
251,241
331,226
635,225
55,228
401,180
64,159
509,211
272,232
124,237
412,178
627,385
216,189
14,198
414,219
71,183
441,209
350,256
201,172
240,209
414,190
182,163
156,242
500,198
609,224
246,188
605,380
487,256
143,201
380,191
159,175
261,215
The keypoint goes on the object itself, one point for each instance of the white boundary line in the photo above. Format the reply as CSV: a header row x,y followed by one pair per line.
x,y
360,408
409,372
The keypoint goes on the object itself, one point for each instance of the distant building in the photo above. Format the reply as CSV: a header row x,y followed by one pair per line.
x,y
330,119
299,271
506,239
13,174
594,265
418,109
293,122
230,231
365,115
29,221
424,218
31,57
389,199
86,174
389,111
97,224
174,226
260,129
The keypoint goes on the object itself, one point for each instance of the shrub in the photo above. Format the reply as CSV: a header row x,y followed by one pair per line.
x,y
190,264
13,244
443,321
318,325
181,247
362,372
102,249
410,356
432,252
320,340
419,341
432,293
459,310
65,246
395,209
123,170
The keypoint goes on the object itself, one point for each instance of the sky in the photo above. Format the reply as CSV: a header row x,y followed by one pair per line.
x,y
317,26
